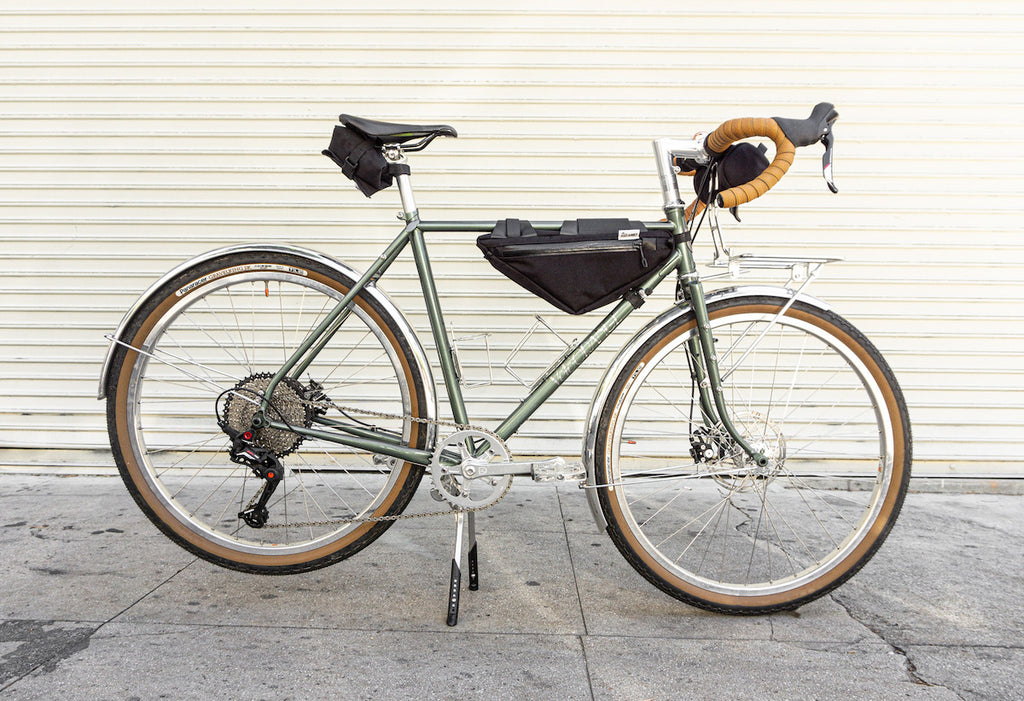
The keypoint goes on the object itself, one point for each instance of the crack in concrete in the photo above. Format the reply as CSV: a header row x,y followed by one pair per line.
x,y
42,650
908,662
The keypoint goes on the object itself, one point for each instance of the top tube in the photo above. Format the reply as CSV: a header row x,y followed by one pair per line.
x,y
483,226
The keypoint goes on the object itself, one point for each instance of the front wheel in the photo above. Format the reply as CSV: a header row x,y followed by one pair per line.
x,y
202,350
691,511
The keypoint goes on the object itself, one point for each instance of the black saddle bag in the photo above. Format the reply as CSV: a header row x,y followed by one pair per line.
x,y
585,265
360,160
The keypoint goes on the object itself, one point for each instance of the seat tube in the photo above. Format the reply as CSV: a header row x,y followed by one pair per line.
x,y
441,342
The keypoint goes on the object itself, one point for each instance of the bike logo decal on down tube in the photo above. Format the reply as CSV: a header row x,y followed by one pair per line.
x,y
238,269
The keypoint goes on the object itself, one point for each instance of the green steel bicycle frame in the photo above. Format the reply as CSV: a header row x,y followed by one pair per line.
x,y
701,347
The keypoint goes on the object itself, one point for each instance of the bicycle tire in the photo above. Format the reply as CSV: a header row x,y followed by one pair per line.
x,y
712,529
213,335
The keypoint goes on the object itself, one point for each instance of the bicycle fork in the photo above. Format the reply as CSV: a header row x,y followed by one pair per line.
x,y
704,366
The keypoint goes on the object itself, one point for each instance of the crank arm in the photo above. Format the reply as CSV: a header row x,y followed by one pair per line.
x,y
541,471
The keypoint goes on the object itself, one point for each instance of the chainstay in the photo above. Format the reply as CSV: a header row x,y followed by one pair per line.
x,y
395,517
416,419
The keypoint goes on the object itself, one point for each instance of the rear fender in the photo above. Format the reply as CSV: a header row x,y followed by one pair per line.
x,y
401,324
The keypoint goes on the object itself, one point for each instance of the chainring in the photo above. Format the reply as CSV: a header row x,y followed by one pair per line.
x,y
453,463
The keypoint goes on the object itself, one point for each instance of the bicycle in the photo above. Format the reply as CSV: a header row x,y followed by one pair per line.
x,y
747,451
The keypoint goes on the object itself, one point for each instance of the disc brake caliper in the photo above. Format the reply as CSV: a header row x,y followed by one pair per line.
x,y
265,465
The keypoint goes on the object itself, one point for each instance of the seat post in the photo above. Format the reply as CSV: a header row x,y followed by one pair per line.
x,y
408,201
395,155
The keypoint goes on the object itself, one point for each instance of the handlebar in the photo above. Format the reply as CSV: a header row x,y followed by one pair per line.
x,y
787,135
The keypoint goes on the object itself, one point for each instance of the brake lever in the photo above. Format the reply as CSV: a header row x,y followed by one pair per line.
x,y
828,139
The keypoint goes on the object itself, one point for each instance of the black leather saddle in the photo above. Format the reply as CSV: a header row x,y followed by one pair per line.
x,y
388,133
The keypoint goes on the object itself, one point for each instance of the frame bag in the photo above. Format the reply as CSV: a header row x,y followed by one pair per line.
x,y
360,160
584,265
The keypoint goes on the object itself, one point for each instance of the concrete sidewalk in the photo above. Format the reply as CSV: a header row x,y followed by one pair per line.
x,y
96,604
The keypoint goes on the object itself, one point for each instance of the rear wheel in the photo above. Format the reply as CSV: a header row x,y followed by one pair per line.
x,y
689,509
214,336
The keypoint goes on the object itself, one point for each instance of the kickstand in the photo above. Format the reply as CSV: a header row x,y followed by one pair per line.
x,y
455,585
474,572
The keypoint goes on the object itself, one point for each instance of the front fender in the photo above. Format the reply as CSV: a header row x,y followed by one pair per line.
x,y
403,326
669,316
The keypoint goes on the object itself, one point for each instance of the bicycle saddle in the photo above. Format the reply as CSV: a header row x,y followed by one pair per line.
x,y
387,133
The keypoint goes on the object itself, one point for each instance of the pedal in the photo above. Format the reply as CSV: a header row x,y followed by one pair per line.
x,y
556,470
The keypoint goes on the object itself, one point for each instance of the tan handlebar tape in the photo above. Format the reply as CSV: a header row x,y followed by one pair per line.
x,y
734,130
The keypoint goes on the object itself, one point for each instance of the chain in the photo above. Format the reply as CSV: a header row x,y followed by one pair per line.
x,y
435,422
396,517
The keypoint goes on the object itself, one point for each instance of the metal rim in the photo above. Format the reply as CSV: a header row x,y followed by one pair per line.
x,y
143,455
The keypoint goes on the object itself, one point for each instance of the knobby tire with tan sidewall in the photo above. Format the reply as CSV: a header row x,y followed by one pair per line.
x,y
695,517
215,333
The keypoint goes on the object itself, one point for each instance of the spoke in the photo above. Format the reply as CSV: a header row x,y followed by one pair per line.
x,y
170,337
195,474
792,384
198,378
240,493
814,422
722,357
369,381
188,454
347,470
201,504
330,488
340,362
753,547
182,446
661,475
644,497
723,503
799,486
771,523
711,538
228,350
663,507
775,374
355,372
238,326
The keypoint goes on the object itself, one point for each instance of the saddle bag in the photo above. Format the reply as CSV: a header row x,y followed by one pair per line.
x,y
585,265
360,160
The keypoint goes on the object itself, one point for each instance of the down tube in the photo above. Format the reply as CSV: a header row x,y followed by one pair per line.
x,y
561,372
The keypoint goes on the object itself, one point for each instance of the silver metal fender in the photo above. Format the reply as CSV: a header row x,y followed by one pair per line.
x,y
403,326
604,387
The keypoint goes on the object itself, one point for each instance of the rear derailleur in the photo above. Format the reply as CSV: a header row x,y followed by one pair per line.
x,y
264,464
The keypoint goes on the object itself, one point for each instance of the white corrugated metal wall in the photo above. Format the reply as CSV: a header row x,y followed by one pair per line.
x,y
132,138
